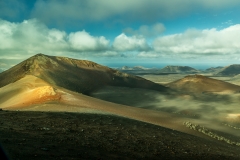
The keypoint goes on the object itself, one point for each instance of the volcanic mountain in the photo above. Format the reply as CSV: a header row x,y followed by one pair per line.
x,y
133,68
236,78
214,69
76,75
231,70
199,84
178,69
47,83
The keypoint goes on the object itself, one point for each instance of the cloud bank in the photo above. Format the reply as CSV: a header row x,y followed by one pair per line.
x,y
201,42
31,37
21,40
134,43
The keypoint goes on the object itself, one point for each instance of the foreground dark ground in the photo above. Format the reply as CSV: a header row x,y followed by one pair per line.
x,y
45,135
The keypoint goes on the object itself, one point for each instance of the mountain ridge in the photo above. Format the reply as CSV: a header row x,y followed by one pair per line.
x,y
200,84
77,75
230,70
178,69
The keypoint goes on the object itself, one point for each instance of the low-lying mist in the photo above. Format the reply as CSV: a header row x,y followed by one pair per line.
x,y
217,112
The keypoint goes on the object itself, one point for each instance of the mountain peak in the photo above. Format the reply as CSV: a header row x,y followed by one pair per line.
x,y
76,75
37,62
178,69
199,83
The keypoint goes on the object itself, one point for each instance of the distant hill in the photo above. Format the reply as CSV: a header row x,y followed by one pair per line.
x,y
199,84
125,68
75,75
236,78
231,70
214,69
178,69
133,68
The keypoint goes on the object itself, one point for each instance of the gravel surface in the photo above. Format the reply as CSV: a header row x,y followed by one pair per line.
x,y
48,135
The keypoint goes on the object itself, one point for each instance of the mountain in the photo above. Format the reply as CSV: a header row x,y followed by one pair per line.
x,y
48,83
125,68
236,78
200,84
76,75
178,69
134,68
139,68
214,69
231,70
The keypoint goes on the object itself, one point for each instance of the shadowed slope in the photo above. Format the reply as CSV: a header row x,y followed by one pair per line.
x,y
76,75
178,69
231,70
199,84
214,69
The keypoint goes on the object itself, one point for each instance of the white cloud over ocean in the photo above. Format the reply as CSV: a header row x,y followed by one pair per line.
x,y
201,42
24,39
134,43
83,41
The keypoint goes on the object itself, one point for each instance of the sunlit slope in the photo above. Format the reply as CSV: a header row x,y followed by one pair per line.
x,y
27,91
199,84
33,94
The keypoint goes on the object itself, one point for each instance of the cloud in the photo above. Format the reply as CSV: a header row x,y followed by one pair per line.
x,y
53,11
150,54
82,41
22,40
134,43
147,31
201,42
32,36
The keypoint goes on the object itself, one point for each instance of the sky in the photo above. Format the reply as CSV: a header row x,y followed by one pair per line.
x,y
150,33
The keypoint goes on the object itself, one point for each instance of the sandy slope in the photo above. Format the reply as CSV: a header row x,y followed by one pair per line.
x,y
32,93
28,90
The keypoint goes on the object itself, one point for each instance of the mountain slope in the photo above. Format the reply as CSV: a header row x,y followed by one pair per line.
x,y
199,83
33,94
178,69
27,91
214,69
76,75
231,70
134,68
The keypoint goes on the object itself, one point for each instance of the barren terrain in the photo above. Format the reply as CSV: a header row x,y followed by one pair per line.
x,y
62,135
73,109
